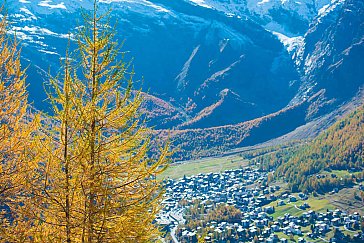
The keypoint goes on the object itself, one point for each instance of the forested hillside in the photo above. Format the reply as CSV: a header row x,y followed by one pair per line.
x,y
332,160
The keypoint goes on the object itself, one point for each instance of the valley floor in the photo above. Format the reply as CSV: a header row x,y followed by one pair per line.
x,y
227,199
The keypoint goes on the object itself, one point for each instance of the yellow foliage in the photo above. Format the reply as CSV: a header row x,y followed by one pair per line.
x,y
15,139
86,172
94,178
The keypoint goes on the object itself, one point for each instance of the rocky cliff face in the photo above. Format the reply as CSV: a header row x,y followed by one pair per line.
x,y
330,59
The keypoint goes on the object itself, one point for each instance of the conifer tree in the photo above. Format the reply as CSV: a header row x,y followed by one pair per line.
x,y
15,136
95,179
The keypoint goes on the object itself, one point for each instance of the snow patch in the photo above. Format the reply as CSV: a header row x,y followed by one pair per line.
x,y
326,9
49,52
201,3
143,2
36,30
39,32
291,43
21,35
26,11
263,2
48,3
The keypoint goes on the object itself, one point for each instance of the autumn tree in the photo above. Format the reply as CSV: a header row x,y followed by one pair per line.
x,y
95,179
15,135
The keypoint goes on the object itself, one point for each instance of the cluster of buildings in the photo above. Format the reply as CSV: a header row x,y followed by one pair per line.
x,y
245,190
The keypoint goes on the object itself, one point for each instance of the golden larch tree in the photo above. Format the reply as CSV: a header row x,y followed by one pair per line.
x,y
96,177
16,129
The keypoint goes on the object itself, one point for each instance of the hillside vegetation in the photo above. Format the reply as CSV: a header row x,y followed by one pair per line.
x,y
316,166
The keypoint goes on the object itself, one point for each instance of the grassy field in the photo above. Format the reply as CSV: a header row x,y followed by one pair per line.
x,y
338,173
316,204
346,200
207,165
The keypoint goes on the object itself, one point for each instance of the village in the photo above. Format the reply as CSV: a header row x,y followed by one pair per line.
x,y
189,204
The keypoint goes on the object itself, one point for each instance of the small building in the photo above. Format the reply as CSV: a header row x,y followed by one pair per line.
x,y
292,198
302,196
301,240
275,228
269,209
281,203
336,222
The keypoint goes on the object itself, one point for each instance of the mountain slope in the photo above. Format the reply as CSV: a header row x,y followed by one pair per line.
x,y
237,72
331,57
186,54
332,75
197,143
338,148
287,17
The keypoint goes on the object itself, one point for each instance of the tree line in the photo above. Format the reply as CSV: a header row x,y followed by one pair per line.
x,y
83,172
